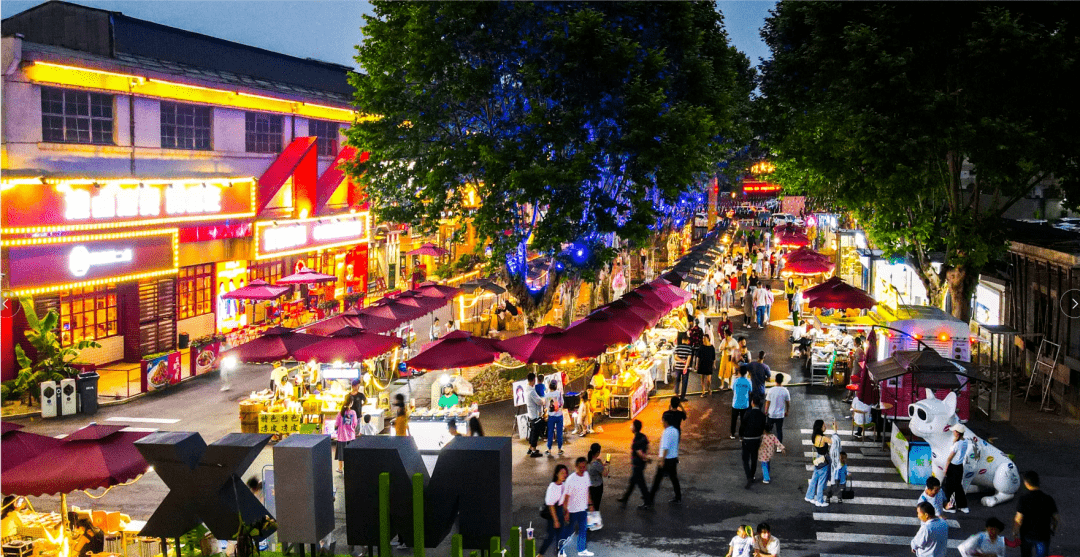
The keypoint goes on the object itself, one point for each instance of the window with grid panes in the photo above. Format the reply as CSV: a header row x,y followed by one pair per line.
x,y
327,134
322,262
89,313
263,132
70,116
195,291
185,126
269,271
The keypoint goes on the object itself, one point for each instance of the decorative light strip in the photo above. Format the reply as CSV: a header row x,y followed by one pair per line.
x,y
307,248
90,70
96,282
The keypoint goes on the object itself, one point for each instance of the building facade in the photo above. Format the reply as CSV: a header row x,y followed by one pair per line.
x,y
147,170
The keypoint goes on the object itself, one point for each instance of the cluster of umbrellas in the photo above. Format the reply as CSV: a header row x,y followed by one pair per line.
x,y
260,290
805,262
837,294
693,266
351,336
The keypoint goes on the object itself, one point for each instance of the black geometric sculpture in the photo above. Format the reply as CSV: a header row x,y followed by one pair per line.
x,y
471,485
204,482
304,499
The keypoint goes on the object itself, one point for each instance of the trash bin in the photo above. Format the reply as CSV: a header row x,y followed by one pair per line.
x,y
184,340
86,384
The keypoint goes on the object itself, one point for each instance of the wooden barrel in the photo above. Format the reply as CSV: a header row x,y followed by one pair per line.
x,y
249,415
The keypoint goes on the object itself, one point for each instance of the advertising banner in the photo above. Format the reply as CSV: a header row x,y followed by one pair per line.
x,y
66,260
639,399
279,422
229,276
204,359
288,237
160,372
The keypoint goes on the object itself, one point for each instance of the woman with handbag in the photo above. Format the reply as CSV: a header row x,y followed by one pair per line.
x,y
554,509
815,493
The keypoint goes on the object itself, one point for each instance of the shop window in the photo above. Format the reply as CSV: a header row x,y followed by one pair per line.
x,y
263,132
270,271
185,126
195,291
322,262
327,134
69,116
88,314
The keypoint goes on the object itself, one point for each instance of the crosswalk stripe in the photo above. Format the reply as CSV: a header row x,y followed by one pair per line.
x,y
881,501
865,469
827,432
885,485
866,444
839,555
143,420
873,538
876,519
141,429
859,456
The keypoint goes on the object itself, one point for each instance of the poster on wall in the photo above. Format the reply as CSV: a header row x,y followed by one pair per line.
x,y
356,269
160,372
639,399
231,314
204,359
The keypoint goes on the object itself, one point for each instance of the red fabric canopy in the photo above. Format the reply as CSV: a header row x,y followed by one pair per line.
x,y
548,344
841,296
428,249
434,290
817,289
257,290
661,283
93,457
306,276
276,343
807,266
426,303
351,318
648,298
609,329
349,344
17,447
456,349
805,253
793,239
650,315
389,308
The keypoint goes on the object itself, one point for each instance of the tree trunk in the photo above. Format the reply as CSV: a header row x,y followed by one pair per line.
x,y
932,282
961,282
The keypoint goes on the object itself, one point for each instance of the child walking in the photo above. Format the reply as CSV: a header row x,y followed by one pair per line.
x,y
769,445
839,478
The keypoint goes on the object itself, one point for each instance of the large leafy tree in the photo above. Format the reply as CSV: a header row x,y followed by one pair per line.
x,y
880,107
545,124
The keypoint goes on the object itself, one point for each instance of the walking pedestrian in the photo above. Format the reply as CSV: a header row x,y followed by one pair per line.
x,y
748,306
753,425
356,390
578,506
729,351
987,543
777,406
668,463
933,495
676,413
815,493
954,472
761,303
932,540
598,470
1036,518
684,359
344,430
557,516
555,416
766,544
759,374
534,409
706,358
740,398
769,444
789,292
639,457
401,416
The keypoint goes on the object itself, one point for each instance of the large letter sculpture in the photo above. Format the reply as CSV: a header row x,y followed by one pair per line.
x,y
471,483
984,464
204,482
304,497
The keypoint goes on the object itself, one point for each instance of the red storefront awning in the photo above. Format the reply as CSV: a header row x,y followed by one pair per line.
x,y
300,162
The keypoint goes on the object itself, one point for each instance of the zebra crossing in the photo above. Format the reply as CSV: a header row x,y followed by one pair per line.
x,y
881,519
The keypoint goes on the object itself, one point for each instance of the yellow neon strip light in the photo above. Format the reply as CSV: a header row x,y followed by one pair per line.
x,y
95,282
61,74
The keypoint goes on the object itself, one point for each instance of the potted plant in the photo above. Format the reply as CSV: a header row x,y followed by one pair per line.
x,y
51,361
351,300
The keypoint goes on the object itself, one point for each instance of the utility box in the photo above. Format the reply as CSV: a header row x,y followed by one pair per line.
x,y
68,398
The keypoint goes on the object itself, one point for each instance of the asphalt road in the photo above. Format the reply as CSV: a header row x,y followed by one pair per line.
x,y
879,522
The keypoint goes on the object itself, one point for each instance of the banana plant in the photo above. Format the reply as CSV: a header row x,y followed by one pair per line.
x,y
51,362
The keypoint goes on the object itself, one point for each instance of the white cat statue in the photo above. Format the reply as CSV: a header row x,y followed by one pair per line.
x,y
984,465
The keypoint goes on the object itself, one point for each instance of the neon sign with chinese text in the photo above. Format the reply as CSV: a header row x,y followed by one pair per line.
x,y
274,239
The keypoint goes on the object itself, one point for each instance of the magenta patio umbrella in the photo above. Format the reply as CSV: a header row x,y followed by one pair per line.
x,y
306,276
276,343
17,447
648,298
351,318
805,253
349,344
548,344
608,329
807,266
663,284
428,249
93,457
426,303
793,239
841,296
388,308
650,315
434,290
817,289
456,349
257,290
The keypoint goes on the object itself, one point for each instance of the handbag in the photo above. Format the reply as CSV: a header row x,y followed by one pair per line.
x,y
820,461
545,512
848,493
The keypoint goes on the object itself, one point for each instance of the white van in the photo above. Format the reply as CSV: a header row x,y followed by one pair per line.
x,y
785,218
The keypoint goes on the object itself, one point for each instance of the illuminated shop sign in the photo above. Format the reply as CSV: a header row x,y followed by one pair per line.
x,y
277,238
44,205
40,265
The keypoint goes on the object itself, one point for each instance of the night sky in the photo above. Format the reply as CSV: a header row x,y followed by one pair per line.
x,y
328,29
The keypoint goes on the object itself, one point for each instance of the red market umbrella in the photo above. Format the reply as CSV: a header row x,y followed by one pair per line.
x,y
257,290
434,290
663,293
548,344
93,457
842,296
648,299
428,249
663,284
306,276
276,343
426,303
609,329
351,318
807,267
17,447
650,315
793,239
349,344
805,253
389,308
819,289
456,349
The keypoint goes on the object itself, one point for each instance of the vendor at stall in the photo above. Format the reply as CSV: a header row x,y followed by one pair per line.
x,y
600,391
88,539
449,398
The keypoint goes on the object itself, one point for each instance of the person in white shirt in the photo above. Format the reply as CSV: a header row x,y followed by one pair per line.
x,y
742,545
777,406
985,544
557,518
578,505
953,486
668,465
367,428
932,540
761,305
766,544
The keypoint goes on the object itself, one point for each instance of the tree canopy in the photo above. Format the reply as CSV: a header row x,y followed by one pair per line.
x,y
545,124
882,106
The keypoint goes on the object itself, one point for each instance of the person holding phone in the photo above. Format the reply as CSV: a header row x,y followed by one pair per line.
x,y
598,470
